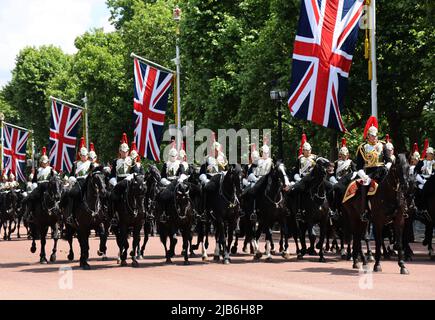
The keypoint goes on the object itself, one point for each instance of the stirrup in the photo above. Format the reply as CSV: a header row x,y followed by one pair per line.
x,y
253,217
364,217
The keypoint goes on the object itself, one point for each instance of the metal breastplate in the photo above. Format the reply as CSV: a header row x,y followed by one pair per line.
x,y
373,155
307,164
343,168
43,174
428,168
82,169
123,167
172,168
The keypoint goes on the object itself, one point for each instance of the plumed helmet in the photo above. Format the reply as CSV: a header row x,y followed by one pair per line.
x,y
344,150
388,145
182,152
371,127
255,155
11,176
124,144
306,147
173,153
82,148
429,150
134,155
92,153
44,158
265,149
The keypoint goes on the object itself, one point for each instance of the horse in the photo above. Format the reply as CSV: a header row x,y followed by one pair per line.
x,y
315,204
44,204
87,198
175,212
223,206
428,198
9,208
270,203
128,202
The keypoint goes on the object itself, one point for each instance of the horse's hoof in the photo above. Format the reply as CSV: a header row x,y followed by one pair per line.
x,y
135,264
268,259
204,259
33,249
370,258
53,258
138,257
216,258
168,261
85,266
71,257
272,252
286,256
322,259
343,257
318,246
234,250
123,263
192,255
312,252
226,261
43,261
355,265
377,268
18,236
99,253
186,263
300,257
258,255
403,270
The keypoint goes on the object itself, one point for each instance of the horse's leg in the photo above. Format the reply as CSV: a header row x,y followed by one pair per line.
x,y
377,228
223,242
302,231
285,229
123,241
367,240
83,236
5,226
399,222
42,256
254,241
147,230
136,243
18,227
268,234
104,234
55,240
69,237
216,255
323,225
9,230
312,237
185,232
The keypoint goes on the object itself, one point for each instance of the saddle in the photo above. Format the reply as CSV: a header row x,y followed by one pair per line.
x,y
353,187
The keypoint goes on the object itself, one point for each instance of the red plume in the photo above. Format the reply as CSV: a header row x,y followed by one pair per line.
x,y
91,147
387,138
303,140
253,147
124,138
426,145
44,151
133,146
82,144
415,148
343,142
371,122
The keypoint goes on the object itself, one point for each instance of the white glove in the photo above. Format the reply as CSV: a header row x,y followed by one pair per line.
x,y
292,183
297,177
333,180
388,165
365,177
165,182
182,178
354,175
129,177
24,194
203,178
252,178
72,180
420,179
34,186
113,181
245,182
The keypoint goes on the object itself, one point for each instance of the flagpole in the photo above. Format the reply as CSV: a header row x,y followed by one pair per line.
x,y
151,63
85,100
33,150
67,103
374,89
177,18
2,118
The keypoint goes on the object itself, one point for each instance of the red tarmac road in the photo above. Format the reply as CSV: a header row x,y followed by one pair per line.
x,y
22,277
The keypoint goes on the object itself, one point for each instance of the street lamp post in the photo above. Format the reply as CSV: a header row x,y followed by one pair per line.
x,y
279,96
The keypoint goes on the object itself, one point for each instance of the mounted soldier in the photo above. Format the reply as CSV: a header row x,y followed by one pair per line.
x,y
251,169
414,159
136,166
373,161
82,166
426,167
172,169
390,148
93,157
344,165
121,167
306,163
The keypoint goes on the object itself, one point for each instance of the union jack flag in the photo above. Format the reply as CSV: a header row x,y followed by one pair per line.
x,y
322,57
151,92
15,151
63,135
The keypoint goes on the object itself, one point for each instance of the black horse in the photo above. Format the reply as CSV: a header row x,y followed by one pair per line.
x,y
9,209
128,203
428,202
43,202
175,212
223,206
269,197
314,203
88,196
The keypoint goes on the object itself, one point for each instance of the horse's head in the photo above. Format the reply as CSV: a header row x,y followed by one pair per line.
x,y
236,175
96,179
321,167
154,173
403,171
54,187
182,200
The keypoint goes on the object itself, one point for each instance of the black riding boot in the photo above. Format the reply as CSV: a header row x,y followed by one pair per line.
x,y
365,213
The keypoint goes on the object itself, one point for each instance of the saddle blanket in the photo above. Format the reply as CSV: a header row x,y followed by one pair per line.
x,y
352,188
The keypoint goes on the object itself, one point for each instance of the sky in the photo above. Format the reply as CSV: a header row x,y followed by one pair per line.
x,y
42,22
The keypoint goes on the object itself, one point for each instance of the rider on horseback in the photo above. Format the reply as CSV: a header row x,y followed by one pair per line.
x,y
390,149
423,170
252,168
343,166
40,179
214,164
121,167
135,159
306,163
373,161
415,158
172,169
93,155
